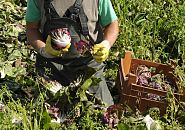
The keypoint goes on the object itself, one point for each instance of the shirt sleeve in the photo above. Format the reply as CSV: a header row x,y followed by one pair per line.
x,y
106,12
32,12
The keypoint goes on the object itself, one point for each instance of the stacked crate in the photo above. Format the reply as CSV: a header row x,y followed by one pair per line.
x,y
133,94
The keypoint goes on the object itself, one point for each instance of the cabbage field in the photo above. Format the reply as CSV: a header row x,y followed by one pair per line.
x,y
153,30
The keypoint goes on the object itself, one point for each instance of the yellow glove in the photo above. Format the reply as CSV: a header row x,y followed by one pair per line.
x,y
101,51
50,52
57,43
55,52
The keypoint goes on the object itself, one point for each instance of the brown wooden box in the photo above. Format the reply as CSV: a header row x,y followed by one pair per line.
x,y
133,94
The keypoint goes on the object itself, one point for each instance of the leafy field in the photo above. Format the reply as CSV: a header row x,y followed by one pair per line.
x,y
153,29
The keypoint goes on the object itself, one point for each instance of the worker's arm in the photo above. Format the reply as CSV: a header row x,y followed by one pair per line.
x,y
34,36
111,32
101,50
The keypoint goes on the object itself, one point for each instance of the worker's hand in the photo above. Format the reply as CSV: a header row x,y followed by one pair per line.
x,y
48,51
42,52
55,47
101,51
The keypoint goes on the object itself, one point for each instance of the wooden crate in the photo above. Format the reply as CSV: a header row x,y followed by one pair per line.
x,y
135,95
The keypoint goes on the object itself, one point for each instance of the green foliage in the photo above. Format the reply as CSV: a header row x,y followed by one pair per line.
x,y
152,29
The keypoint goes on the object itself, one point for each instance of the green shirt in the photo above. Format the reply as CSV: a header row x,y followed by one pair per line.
x,y
106,12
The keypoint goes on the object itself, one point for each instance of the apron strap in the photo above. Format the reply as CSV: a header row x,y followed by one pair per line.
x,y
50,11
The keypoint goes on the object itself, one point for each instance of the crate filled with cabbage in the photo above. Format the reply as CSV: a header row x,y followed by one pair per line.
x,y
144,84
